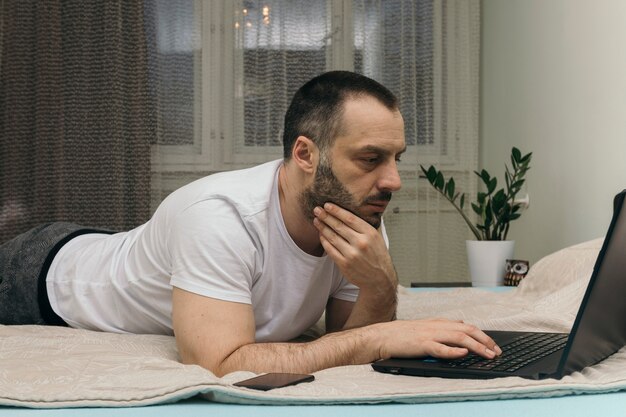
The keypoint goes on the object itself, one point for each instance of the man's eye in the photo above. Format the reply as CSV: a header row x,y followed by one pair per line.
x,y
371,160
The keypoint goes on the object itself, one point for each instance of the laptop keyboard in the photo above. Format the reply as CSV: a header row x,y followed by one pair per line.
x,y
519,352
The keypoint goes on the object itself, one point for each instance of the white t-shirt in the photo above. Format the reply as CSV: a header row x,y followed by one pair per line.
x,y
222,236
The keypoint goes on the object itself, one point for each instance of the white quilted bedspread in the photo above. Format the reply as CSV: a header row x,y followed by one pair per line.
x,y
61,367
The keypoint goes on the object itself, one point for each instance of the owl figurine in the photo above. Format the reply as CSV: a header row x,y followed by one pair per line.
x,y
515,271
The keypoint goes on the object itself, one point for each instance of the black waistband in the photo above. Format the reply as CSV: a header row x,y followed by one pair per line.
x,y
47,312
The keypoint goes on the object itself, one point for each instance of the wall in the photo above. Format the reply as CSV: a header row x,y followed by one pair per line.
x,y
553,81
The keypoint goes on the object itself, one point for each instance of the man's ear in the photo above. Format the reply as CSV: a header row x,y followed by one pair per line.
x,y
305,154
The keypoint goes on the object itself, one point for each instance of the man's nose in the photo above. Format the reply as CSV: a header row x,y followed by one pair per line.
x,y
390,180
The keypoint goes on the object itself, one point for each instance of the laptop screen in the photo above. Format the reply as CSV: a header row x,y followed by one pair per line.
x,y
601,330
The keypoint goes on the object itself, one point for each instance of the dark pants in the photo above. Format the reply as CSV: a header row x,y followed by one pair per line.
x,y
24,264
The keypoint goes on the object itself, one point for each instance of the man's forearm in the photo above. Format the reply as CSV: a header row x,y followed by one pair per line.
x,y
372,308
358,346
375,305
402,338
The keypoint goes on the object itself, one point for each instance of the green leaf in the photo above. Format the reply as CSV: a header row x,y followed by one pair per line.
x,y
526,159
484,175
431,174
450,186
492,185
488,212
439,181
477,209
507,178
517,155
462,200
498,201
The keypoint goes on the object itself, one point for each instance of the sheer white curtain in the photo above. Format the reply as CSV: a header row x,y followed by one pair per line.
x,y
428,235
225,72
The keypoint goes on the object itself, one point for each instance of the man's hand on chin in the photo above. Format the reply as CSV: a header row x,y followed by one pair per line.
x,y
360,252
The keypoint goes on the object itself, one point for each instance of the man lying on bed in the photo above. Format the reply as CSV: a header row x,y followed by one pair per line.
x,y
238,263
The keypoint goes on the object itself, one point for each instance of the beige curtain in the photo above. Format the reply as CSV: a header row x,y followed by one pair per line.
x,y
76,115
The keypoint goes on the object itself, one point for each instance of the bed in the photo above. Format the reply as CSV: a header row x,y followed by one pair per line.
x,y
58,371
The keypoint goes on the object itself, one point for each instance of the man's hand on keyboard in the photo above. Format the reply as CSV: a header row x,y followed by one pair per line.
x,y
439,338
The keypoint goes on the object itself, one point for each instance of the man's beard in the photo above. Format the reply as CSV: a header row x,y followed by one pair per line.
x,y
326,188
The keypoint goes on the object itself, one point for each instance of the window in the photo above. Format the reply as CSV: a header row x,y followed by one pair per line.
x,y
233,66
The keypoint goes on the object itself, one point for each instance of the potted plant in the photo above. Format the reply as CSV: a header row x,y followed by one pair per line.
x,y
495,210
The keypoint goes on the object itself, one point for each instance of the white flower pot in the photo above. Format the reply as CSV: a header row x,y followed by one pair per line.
x,y
487,261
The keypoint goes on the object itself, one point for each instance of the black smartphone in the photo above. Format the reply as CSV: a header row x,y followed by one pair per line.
x,y
270,381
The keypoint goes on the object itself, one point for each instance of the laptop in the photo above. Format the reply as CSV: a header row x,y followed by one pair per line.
x,y
598,331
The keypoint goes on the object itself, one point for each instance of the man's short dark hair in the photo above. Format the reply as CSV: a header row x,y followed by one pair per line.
x,y
316,109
